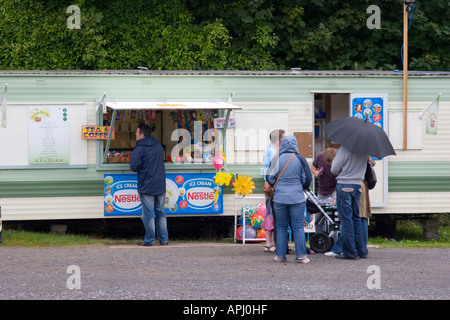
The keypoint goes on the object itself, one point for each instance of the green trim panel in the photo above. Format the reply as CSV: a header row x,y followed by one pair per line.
x,y
431,176
36,189
403,177
50,183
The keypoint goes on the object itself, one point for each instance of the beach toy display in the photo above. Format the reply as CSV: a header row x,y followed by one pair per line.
x,y
249,223
250,232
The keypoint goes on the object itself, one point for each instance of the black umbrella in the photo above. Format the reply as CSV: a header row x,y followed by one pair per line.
x,y
360,136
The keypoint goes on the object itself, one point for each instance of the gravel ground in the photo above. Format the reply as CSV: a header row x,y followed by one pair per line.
x,y
218,271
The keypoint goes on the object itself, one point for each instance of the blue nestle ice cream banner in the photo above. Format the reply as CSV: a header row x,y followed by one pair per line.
x,y
186,193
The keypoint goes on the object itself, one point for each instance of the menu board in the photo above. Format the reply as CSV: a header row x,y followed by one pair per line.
x,y
48,135
370,109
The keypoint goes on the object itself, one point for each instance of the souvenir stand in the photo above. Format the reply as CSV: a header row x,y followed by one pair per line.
x,y
249,213
192,146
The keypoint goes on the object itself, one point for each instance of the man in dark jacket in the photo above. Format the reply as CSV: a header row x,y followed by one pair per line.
x,y
147,159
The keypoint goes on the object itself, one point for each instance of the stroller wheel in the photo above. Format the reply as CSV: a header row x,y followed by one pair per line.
x,y
320,242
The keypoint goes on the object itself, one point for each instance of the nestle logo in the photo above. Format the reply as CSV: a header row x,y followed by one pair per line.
x,y
127,198
200,196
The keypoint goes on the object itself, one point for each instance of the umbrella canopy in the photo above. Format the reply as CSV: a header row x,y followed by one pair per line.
x,y
360,136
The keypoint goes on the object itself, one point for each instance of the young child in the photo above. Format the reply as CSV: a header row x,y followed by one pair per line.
x,y
321,169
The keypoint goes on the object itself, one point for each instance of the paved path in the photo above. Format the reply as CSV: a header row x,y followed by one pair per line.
x,y
218,271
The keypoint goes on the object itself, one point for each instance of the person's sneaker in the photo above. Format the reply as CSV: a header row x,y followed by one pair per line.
x,y
279,259
302,260
331,254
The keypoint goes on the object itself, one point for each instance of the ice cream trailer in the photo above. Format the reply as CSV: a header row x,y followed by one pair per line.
x,y
67,136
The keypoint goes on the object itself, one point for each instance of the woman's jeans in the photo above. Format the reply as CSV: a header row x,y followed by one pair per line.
x,y
295,214
154,206
347,200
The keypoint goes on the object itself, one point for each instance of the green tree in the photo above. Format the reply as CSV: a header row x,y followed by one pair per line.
x,y
114,34
251,30
222,35
333,34
161,35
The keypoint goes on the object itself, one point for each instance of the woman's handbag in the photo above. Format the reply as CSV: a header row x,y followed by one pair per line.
x,y
270,190
370,177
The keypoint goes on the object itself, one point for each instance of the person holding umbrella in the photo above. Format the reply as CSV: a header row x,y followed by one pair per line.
x,y
359,139
349,169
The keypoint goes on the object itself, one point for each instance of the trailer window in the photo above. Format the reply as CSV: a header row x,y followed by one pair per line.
x,y
188,135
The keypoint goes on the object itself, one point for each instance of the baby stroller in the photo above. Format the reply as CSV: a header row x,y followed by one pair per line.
x,y
322,241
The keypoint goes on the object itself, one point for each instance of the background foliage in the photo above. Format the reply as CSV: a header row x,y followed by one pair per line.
x,y
221,35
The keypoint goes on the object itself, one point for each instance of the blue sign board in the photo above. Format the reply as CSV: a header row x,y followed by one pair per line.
x,y
370,109
186,193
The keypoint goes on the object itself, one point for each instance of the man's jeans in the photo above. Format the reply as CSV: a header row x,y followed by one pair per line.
x,y
154,206
353,244
337,247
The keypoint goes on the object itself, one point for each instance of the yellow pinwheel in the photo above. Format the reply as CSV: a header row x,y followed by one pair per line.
x,y
243,185
223,178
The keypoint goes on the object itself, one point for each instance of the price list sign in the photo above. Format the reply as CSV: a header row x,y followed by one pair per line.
x,y
48,135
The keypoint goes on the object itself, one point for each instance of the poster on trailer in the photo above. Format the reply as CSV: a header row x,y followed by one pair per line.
x,y
370,108
186,193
